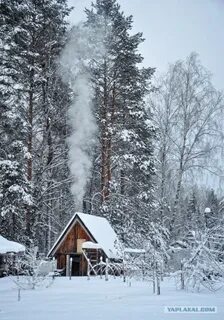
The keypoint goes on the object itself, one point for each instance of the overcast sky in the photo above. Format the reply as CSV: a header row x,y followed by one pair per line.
x,y
173,29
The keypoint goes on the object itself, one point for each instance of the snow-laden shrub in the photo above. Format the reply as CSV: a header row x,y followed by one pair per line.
x,y
149,264
30,273
204,265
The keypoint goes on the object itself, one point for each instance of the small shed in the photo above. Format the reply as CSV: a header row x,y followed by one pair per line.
x,y
85,237
9,250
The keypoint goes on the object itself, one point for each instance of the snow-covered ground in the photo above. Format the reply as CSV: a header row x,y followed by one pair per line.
x,y
97,299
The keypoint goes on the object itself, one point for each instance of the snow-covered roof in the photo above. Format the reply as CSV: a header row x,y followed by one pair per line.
x,y
91,245
99,230
10,246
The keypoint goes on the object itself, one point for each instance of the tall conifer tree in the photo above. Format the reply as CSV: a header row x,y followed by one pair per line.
x,y
126,135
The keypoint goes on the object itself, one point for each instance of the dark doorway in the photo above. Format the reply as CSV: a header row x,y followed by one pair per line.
x,y
76,259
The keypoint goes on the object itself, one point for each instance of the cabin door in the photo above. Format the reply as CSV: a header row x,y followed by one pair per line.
x,y
76,260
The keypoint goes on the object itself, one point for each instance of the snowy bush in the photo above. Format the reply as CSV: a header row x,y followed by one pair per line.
x,y
30,271
148,264
203,267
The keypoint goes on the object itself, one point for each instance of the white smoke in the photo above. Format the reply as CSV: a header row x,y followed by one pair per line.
x,y
84,46
81,140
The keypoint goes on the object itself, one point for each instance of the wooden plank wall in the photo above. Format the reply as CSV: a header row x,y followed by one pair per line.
x,y
69,245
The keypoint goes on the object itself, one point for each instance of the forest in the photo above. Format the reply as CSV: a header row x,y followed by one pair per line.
x,y
84,126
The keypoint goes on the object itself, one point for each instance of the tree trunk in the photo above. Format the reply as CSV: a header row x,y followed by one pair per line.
x,y
30,149
105,169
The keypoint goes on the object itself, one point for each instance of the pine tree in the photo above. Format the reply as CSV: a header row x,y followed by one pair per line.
x,y
15,191
16,197
32,36
126,134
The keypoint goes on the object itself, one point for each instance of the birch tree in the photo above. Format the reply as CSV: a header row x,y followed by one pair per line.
x,y
186,108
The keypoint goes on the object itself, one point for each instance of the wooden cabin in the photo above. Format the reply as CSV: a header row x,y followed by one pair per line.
x,y
85,237
9,252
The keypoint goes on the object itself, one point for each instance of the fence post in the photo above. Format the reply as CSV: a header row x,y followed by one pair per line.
x,y
153,277
101,263
88,270
124,271
182,276
67,264
106,270
143,270
157,280
70,269
162,271
19,294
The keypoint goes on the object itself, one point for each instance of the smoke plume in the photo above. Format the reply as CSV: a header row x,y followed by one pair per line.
x,y
83,47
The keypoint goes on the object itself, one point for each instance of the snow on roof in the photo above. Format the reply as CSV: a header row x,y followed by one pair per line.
x,y
99,228
91,245
103,232
10,246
